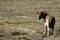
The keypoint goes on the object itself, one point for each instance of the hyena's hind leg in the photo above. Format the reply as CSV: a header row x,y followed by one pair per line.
x,y
52,30
51,26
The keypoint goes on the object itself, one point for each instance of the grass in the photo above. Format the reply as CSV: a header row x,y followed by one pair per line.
x,y
25,22
11,9
19,7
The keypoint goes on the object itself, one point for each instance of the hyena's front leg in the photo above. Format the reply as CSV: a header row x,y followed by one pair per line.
x,y
48,29
45,33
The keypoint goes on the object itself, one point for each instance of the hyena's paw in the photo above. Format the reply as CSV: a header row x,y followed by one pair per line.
x,y
45,35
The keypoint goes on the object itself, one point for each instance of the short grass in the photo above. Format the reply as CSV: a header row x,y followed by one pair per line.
x,y
24,22
12,10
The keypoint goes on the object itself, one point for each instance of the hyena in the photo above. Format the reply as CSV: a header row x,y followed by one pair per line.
x,y
49,22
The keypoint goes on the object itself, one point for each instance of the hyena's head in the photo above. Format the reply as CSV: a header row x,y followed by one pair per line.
x,y
41,15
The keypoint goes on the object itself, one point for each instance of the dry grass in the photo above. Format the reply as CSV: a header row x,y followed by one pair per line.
x,y
18,18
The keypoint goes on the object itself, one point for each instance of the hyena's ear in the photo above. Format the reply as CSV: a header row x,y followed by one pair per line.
x,y
37,13
42,12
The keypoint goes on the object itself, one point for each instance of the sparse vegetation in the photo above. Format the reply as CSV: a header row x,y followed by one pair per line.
x,y
17,15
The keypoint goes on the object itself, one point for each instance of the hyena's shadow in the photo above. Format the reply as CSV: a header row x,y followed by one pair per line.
x,y
59,30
